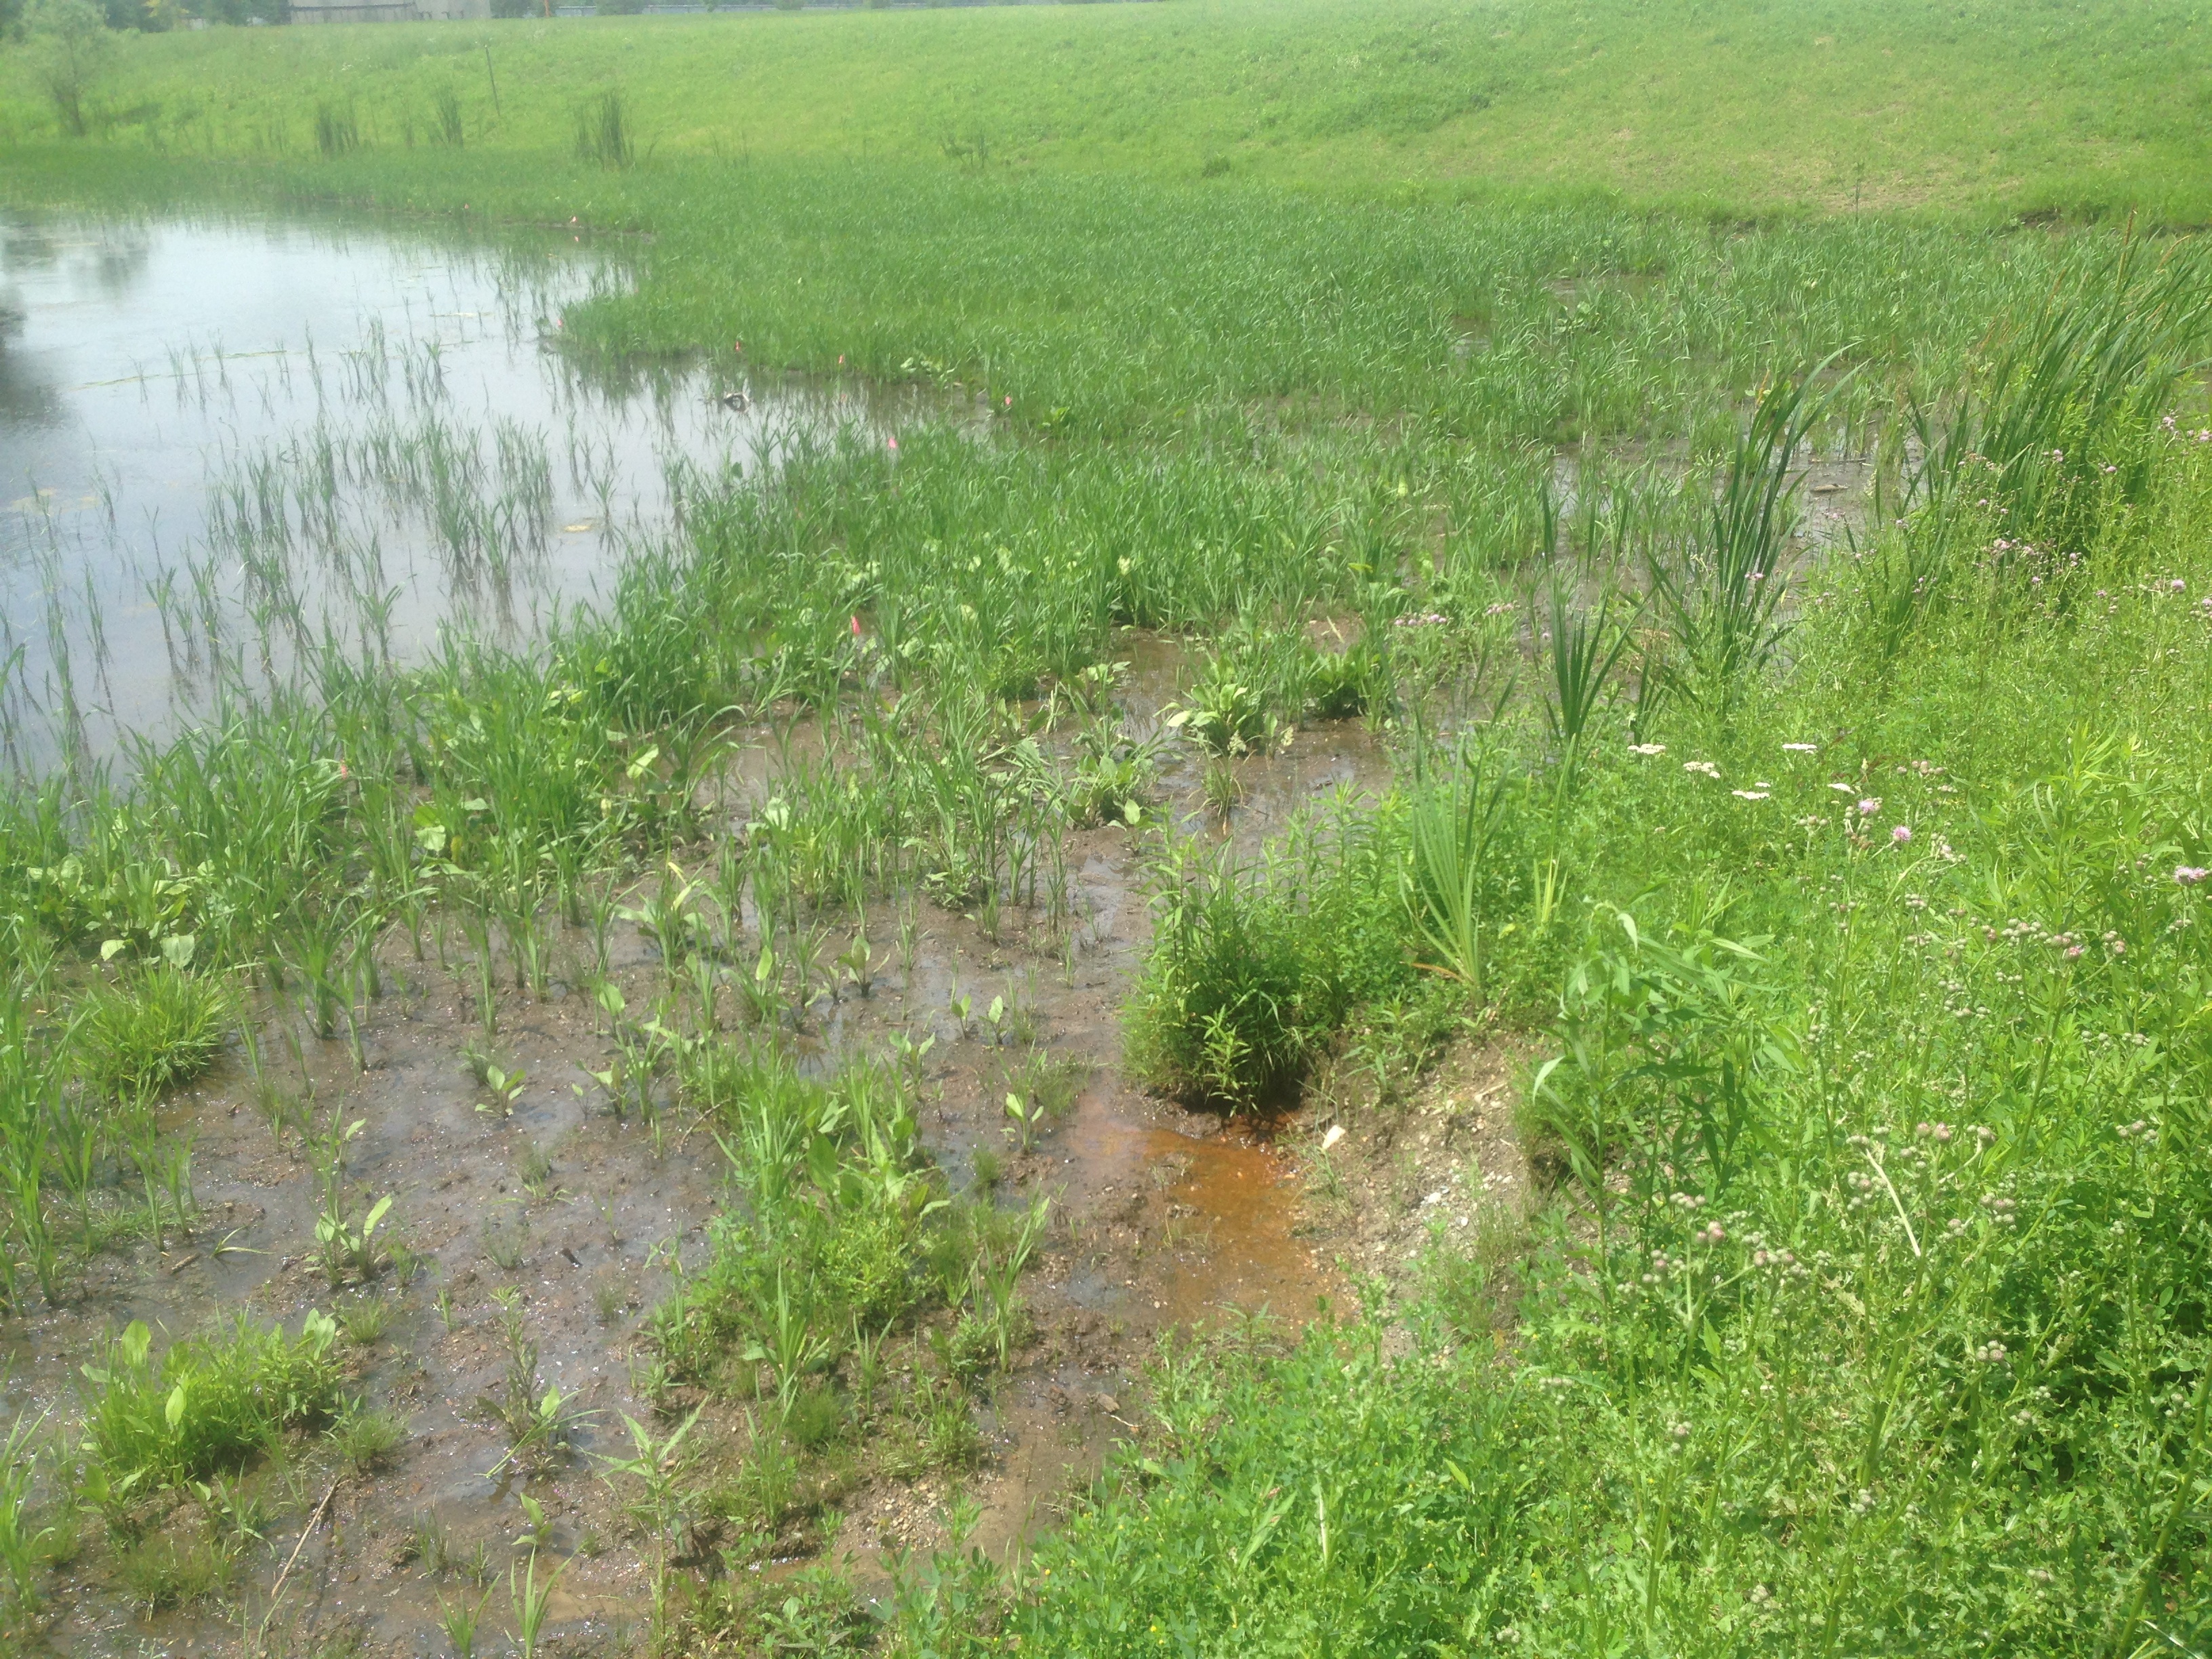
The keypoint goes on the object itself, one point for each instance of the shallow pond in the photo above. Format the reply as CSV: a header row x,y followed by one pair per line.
x,y
223,441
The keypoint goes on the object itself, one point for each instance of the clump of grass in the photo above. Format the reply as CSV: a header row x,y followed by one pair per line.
x,y
458,1619
612,1294
829,1245
25,1544
149,1030
933,1431
534,1170
445,108
1039,1089
1346,684
1721,590
161,1573
1223,713
504,1242
1115,777
816,1609
1224,1012
1222,787
338,128
1251,972
1461,873
365,1437
208,1404
429,1544
366,1320
603,132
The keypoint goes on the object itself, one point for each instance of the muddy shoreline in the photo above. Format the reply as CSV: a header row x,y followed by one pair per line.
x,y
575,1224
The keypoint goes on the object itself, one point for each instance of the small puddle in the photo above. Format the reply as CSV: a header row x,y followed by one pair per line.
x,y
1230,1236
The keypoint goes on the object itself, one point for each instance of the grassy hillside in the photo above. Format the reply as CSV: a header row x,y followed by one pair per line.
x,y
2097,106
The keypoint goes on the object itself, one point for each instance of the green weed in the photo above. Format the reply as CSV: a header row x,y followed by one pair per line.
x,y
364,1439
139,1036
163,1573
206,1406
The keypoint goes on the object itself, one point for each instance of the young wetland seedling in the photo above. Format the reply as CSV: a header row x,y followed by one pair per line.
x,y
458,1619
1455,827
536,1532
350,1248
504,1090
532,1601
23,1539
789,1342
539,1426
347,1245
1027,1118
667,1499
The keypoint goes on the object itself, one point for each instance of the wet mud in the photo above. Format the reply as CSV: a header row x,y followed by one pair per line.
x,y
1163,1219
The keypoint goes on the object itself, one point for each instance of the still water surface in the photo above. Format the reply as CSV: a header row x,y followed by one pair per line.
x,y
225,443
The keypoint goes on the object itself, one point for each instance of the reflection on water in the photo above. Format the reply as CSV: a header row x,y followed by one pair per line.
x,y
224,445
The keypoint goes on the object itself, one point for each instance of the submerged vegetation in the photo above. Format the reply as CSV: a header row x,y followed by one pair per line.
x,y
1788,646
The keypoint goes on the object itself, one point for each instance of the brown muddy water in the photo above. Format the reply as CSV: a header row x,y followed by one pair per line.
x,y
1162,1219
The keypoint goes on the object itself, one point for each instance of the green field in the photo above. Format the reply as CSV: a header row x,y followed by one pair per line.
x,y
1983,107
1838,910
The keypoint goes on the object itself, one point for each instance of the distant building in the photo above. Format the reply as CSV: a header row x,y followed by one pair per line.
x,y
388,11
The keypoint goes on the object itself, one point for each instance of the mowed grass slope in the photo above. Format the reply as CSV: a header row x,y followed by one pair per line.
x,y
2098,107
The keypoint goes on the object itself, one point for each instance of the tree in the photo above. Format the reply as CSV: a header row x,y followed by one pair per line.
x,y
70,45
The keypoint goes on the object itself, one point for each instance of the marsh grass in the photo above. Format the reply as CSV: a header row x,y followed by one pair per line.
x,y
26,1543
445,106
338,128
365,1319
161,1573
504,1242
603,132
207,1405
365,1437
429,1544
142,1033
1251,971
458,1619
1585,649
1721,590
1460,877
